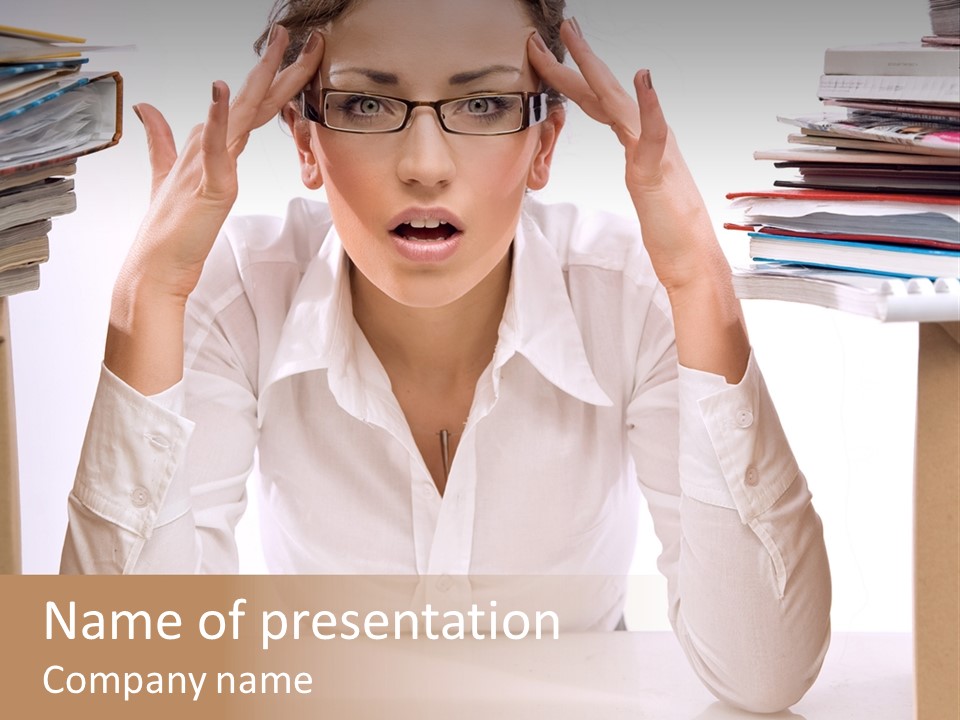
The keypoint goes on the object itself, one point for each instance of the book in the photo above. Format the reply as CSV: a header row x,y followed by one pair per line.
x,y
847,237
51,91
902,88
945,17
41,35
838,196
44,199
842,142
884,259
892,58
915,111
83,119
18,45
20,279
21,68
940,40
950,188
885,298
27,176
919,179
25,244
824,211
857,157
934,138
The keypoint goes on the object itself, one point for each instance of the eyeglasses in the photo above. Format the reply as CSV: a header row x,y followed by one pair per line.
x,y
483,114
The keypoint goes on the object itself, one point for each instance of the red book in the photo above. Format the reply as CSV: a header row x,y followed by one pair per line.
x,y
844,196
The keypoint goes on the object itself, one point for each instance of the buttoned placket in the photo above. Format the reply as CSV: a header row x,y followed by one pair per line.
x,y
442,525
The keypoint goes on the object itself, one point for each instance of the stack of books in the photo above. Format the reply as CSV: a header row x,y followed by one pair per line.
x,y
945,21
52,111
870,222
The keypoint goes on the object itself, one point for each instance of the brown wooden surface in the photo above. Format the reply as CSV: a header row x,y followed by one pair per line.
x,y
9,478
937,524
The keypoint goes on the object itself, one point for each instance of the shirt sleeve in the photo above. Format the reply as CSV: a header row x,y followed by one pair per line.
x,y
161,481
743,549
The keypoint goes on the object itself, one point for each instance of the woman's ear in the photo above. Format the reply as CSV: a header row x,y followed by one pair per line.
x,y
303,139
549,132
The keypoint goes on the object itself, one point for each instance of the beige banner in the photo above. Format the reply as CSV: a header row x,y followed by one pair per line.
x,y
289,647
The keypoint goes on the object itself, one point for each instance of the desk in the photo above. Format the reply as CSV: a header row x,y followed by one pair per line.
x,y
937,523
609,676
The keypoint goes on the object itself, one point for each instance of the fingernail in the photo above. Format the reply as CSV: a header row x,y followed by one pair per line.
x,y
312,43
215,92
273,34
576,26
136,111
648,80
539,42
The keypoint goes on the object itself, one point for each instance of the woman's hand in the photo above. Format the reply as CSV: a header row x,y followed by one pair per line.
x,y
675,224
677,230
193,192
191,196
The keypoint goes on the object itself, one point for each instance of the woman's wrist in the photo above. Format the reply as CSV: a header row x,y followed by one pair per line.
x,y
709,326
144,345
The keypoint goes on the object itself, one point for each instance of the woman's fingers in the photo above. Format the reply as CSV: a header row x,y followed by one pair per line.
x,y
246,103
161,147
617,104
290,81
650,146
564,80
267,89
219,166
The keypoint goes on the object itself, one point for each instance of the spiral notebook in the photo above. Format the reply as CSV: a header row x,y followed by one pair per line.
x,y
887,299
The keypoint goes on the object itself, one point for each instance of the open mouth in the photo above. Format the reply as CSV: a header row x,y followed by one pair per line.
x,y
426,230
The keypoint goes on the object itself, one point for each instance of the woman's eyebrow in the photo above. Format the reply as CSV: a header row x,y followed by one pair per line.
x,y
468,77
463,78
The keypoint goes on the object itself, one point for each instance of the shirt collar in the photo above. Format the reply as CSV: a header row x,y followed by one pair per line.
x,y
539,322
320,332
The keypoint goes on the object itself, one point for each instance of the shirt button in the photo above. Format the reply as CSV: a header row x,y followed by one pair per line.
x,y
744,418
444,583
426,491
752,477
140,497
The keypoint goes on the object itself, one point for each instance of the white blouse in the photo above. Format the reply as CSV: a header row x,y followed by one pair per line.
x,y
583,413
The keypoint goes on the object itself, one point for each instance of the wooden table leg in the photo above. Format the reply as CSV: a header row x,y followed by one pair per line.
x,y
9,477
937,524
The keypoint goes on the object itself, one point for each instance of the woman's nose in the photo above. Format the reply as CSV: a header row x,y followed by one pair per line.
x,y
426,157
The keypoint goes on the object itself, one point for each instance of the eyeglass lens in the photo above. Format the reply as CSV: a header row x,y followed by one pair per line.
x,y
476,115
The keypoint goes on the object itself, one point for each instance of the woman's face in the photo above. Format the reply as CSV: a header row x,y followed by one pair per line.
x,y
380,185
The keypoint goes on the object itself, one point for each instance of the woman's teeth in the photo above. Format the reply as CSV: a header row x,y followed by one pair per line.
x,y
426,230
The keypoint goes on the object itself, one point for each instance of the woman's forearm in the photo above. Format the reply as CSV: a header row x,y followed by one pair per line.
x,y
144,346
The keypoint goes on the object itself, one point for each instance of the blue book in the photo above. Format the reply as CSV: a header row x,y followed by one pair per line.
x,y
20,68
886,259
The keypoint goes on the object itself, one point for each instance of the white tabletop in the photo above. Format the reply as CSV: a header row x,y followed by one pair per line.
x,y
607,676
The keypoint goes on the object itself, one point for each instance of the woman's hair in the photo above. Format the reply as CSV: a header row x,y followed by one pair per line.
x,y
301,17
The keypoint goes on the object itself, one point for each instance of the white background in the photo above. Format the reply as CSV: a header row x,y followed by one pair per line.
x,y
844,385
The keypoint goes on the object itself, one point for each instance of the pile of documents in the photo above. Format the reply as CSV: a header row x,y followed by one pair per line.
x,y
871,221
52,111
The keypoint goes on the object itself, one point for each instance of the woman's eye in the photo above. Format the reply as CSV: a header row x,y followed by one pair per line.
x,y
369,106
480,106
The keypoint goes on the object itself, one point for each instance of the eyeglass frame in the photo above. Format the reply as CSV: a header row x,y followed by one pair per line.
x,y
535,108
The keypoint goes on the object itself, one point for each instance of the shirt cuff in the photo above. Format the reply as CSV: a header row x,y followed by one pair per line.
x,y
133,448
733,450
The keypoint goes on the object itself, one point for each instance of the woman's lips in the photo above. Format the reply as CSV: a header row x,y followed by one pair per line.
x,y
426,235
427,249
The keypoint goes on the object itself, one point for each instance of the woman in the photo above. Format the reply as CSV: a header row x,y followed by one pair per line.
x,y
439,374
